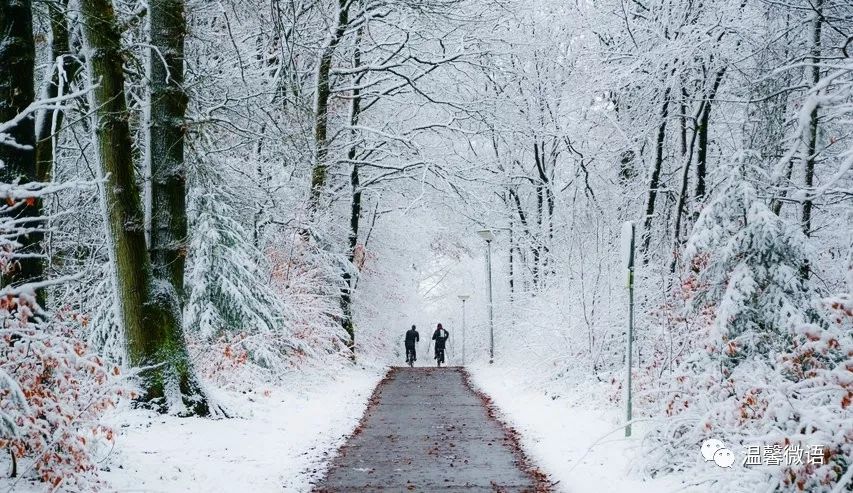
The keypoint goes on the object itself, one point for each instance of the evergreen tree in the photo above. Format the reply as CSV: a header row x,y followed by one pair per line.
x,y
751,272
769,358
230,296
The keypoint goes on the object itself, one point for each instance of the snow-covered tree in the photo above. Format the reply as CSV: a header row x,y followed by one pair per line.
x,y
752,273
54,387
765,359
231,298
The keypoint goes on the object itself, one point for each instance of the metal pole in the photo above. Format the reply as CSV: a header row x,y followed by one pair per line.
x,y
491,304
629,230
463,332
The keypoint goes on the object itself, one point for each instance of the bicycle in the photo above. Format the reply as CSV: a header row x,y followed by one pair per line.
x,y
410,357
439,357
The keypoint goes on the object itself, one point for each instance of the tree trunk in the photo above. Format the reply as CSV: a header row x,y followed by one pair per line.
x,y
50,120
537,241
522,217
776,203
150,320
355,204
682,118
702,129
654,181
168,246
811,145
682,194
537,238
17,65
348,277
319,173
511,262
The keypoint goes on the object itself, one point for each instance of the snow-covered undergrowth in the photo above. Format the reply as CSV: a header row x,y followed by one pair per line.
x,y
279,439
574,437
764,361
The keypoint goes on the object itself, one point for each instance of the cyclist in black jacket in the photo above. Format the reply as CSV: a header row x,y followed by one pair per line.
x,y
440,337
412,338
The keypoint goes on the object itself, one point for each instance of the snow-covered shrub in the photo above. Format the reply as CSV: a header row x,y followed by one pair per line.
x,y
230,298
53,394
309,281
251,314
767,367
53,388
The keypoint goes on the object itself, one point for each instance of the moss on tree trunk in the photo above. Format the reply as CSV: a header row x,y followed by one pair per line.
x,y
149,314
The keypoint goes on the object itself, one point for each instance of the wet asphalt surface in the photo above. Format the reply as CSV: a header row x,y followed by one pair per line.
x,y
426,430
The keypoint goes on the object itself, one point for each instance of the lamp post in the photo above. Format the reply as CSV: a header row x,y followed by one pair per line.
x,y
463,298
487,235
628,259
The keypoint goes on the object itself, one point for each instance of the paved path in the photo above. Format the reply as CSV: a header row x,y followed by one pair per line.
x,y
426,430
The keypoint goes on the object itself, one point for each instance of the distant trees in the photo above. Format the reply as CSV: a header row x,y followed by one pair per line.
x,y
374,55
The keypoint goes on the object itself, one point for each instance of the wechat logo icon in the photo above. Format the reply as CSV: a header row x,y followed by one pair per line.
x,y
714,450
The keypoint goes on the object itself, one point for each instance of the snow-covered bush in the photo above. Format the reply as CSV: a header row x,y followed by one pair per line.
x,y
54,392
250,314
767,367
53,387
309,281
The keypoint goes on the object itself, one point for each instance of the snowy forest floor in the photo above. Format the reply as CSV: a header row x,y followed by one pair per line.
x,y
280,439
579,444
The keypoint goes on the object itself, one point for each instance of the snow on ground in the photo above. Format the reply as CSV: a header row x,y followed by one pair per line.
x,y
580,447
281,441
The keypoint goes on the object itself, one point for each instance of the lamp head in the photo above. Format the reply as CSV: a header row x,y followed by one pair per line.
x,y
464,297
486,234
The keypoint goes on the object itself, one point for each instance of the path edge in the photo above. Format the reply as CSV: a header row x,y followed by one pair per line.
x,y
372,401
541,481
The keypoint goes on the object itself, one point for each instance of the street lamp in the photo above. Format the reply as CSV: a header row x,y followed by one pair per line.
x,y
628,257
487,235
463,298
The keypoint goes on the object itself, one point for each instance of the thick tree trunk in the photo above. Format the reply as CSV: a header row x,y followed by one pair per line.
x,y
320,170
17,62
654,180
50,120
168,246
150,319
